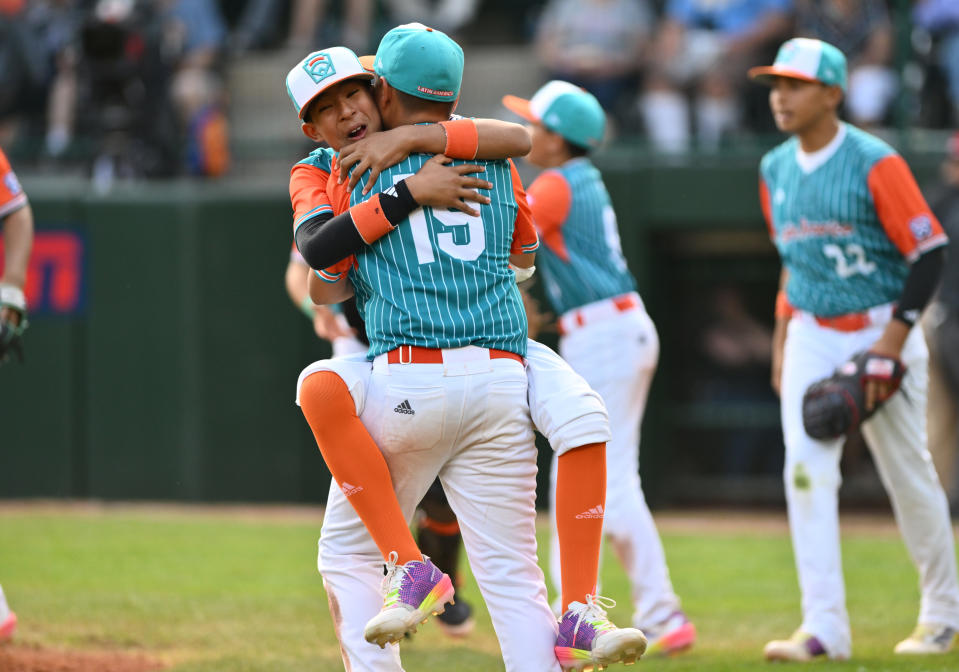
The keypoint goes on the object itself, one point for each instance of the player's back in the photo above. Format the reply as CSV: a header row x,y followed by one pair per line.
x,y
826,226
441,279
591,266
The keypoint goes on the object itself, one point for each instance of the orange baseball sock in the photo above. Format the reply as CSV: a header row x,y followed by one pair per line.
x,y
580,502
353,458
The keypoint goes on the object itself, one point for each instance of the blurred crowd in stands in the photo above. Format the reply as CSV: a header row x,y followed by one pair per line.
x,y
137,87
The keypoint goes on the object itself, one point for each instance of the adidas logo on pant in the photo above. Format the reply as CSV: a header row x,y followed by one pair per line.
x,y
405,408
350,489
595,512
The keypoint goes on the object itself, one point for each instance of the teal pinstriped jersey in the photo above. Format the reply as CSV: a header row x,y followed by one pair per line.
x,y
596,268
442,279
824,224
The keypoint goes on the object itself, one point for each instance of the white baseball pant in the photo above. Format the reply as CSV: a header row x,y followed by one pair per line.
x,y
617,356
470,426
896,436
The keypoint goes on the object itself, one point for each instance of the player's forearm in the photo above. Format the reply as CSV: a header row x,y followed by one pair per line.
x,y
17,240
501,139
920,285
324,240
326,293
465,139
297,287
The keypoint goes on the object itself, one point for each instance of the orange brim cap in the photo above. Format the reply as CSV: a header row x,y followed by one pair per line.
x,y
519,106
765,73
367,62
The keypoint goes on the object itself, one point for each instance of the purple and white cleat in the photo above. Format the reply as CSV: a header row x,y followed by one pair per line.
x,y
587,639
411,594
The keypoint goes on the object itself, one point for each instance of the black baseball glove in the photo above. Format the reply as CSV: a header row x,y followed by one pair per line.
x,y
833,406
13,322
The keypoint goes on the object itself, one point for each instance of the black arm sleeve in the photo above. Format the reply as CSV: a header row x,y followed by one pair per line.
x,y
324,240
920,284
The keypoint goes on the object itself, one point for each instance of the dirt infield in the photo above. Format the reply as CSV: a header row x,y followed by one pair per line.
x,y
14,658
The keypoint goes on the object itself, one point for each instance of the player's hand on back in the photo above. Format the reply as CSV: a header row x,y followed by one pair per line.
x,y
442,186
374,153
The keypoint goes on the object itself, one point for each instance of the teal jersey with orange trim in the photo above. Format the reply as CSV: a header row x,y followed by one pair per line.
x,y
441,279
581,258
846,223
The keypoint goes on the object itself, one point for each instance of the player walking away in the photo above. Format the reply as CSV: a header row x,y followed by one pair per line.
x,y
607,336
483,239
437,531
861,254
17,240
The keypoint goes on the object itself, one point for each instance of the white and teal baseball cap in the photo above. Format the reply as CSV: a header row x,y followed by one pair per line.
x,y
421,61
566,109
806,59
319,71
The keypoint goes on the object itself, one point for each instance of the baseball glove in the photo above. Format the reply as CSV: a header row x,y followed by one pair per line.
x,y
12,303
833,406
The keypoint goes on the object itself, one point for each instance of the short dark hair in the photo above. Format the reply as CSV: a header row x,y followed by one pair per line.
x,y
416,104
576,151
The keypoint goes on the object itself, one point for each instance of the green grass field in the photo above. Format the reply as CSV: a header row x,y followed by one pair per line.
x,y
221,591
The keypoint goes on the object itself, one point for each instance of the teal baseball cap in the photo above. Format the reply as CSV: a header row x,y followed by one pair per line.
x,y
566,109
806,59
421,61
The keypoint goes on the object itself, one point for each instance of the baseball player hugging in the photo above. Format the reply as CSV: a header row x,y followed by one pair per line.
x,y
861,255
440,304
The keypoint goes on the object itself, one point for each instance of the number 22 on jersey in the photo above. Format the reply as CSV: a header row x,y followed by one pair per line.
x,y
850,260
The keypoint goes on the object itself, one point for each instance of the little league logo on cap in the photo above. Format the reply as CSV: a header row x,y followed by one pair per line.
x,y
421,61
566,109
806,59
319,67
319,71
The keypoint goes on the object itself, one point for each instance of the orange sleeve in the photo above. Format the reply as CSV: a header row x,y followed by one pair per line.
x,y
525,239
337,271
902,210
308,192
12,196
764,203
550,199
338,192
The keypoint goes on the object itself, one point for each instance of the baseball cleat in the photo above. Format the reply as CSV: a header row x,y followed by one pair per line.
x,y
674,635
800,648
7,627
411,594
587,639
457,620
928,639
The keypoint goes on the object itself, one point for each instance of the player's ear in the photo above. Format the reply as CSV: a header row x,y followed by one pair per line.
x,y
834,95
309,130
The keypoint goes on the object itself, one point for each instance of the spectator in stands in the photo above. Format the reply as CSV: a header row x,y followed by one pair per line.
x,y
705,45
860,29
941,19
357,17
450,16
311,24
194,34
40,45
596,44
941,325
